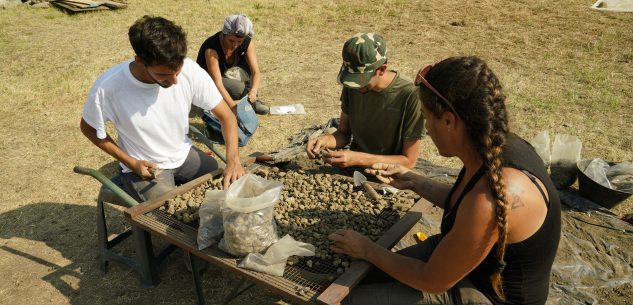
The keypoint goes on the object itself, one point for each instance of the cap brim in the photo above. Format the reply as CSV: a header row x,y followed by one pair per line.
x,y
353,80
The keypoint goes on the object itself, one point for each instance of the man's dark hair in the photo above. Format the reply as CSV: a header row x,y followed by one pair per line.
x,y
158,41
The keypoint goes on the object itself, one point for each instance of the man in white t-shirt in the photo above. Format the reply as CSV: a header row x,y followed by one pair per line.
x,y
149,99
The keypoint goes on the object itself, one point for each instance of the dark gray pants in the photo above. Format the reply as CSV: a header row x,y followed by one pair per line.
x,y
381,289
236,89
197,164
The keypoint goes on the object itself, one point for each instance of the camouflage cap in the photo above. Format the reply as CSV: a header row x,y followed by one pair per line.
x,y
362,55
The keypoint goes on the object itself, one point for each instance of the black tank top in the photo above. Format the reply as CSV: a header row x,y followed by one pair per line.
x,y
239,59
529,263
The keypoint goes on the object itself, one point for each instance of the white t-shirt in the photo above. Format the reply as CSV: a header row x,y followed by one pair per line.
x,y
152,122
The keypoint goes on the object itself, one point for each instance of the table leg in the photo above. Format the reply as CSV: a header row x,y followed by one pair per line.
x,y
236,291
196,278
146,263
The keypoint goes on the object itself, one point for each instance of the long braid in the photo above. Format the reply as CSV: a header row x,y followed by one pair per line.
x,y
493,141
476,95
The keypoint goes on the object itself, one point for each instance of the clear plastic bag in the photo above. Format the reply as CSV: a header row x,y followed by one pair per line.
x,y
617,177
597,171
565,154
274,261
621,177
248,232
624,168
249,226
211,225
541,144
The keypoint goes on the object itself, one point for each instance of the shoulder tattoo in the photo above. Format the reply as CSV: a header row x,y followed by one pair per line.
x,y
514,194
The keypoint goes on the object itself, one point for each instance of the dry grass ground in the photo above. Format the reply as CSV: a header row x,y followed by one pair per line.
x,y
564,67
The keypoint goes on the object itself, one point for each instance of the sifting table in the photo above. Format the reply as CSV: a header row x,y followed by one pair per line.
x,y
299,284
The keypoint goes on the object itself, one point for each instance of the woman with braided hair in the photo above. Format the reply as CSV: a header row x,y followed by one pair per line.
x,y
501,222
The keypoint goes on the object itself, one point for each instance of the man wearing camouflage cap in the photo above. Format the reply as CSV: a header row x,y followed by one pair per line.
x,y
381,116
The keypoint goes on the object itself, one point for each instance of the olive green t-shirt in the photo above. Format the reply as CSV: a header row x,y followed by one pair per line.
x,y
381,122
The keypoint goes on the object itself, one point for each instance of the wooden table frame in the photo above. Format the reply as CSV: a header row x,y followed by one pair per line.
x,y
333,294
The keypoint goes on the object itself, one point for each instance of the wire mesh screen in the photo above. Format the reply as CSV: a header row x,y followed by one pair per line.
x,y
304,277
298,280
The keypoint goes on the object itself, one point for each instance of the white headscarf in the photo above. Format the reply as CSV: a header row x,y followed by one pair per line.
x,y
238,25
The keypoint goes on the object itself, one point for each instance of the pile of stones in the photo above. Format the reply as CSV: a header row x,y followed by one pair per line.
x,y
313,205
185,206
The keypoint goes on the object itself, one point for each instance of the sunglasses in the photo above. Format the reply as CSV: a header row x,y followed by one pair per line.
x,y
419,79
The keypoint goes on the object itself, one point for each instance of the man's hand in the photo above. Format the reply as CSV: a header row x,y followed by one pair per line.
x,y
316,145
145,169
395,175
228,120
351,243
232,172
341,158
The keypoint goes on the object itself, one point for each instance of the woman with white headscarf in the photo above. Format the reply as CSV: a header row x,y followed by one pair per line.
x,y
229,57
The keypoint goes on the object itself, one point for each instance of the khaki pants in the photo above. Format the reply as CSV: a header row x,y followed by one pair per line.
x,y
381,289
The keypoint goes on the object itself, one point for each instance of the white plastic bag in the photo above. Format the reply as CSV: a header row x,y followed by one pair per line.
x,y
210,212
565,154
541,145
249,226
274,261
237,73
